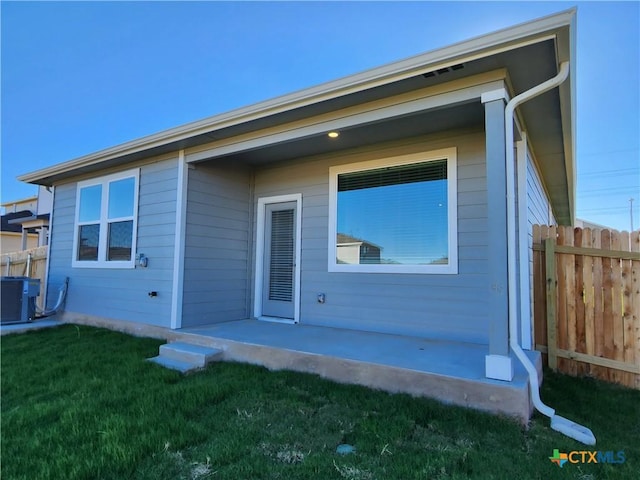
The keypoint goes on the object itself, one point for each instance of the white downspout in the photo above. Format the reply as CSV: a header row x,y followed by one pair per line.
x,y
558,423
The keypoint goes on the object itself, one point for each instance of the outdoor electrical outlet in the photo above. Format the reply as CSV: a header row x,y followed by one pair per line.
x,y
142,260
321,298
153,294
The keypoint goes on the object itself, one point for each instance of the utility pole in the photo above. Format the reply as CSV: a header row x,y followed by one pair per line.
x,y
631,213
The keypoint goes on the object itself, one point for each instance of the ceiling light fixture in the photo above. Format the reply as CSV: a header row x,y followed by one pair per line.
x,y
333,134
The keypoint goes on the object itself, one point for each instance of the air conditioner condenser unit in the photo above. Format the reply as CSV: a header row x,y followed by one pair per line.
x,y
18,299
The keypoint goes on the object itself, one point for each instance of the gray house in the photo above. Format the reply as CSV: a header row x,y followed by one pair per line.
x,y
236,219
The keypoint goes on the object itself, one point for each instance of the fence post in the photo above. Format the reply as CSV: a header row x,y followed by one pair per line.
x,y
551,281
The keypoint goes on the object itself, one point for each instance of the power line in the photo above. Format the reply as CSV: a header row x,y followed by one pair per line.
x,y
610,189
619,171
605,209
608,152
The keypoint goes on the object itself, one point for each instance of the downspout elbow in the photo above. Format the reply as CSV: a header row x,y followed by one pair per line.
x,y
562,75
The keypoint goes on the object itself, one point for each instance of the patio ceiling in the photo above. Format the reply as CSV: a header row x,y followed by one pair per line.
x,y
465,115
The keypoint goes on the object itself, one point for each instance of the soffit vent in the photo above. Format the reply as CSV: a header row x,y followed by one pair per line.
x,y
442,71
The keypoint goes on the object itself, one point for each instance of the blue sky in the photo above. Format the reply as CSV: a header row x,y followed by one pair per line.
x,y
82,76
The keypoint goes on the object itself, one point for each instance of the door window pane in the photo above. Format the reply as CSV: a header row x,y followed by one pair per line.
x,y
90,200
88,238
120,238
281,255
121,197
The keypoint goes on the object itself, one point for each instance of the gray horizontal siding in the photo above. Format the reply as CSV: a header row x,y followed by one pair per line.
x,y
121,294
538,213
217,253
436,306
538,204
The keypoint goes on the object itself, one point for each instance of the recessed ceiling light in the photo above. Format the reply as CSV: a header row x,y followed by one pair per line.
x,y
333,134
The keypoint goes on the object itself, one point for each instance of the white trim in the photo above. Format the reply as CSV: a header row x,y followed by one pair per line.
x,y
48,261
490,96
104,182
448,154
257,297
498,367
523,244
287,321
177,284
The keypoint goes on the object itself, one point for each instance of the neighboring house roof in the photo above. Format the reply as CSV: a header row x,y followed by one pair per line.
x,y
31,221
344,239
529,53
20,202
587,224
11,222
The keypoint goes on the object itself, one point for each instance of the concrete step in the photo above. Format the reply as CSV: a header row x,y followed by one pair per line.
x,y
196,355
186,357
183,367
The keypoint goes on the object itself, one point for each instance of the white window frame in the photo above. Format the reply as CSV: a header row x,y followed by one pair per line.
x,y
102,261
448,154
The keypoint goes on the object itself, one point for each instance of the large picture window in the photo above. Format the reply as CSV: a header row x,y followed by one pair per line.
x,y
396,215
106,220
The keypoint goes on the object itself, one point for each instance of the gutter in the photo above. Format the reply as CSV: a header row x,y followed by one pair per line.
x,y
558,423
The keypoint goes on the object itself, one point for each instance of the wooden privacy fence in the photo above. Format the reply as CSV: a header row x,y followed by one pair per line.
x,y
586,287
27,263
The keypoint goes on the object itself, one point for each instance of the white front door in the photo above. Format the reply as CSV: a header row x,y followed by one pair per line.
x,y
277,275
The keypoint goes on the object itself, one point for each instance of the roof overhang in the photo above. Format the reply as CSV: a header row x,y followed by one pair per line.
x,y
34,221
17,202
529,53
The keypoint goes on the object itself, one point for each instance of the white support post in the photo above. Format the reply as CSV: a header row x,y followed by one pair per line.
x,y
24,239
498,364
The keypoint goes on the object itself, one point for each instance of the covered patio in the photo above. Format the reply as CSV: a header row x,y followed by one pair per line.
x,y
452,372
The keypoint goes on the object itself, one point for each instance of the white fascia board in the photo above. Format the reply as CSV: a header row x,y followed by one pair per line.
x,y
482,46
567,91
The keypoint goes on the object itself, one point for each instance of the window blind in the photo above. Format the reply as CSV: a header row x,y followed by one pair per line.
x,y
397,175
281,264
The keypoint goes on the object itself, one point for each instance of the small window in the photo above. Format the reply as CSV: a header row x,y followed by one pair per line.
x,y
396,215
106,218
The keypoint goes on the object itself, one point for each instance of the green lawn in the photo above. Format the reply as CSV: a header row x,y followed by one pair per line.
x,y
81,403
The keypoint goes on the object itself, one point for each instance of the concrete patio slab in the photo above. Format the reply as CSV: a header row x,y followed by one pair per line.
x,y
452,372
449,371
16,328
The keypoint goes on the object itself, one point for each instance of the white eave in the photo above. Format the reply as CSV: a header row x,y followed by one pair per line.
x,y
466,51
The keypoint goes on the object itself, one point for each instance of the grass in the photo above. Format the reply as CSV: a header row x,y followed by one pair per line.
x,y
81,403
